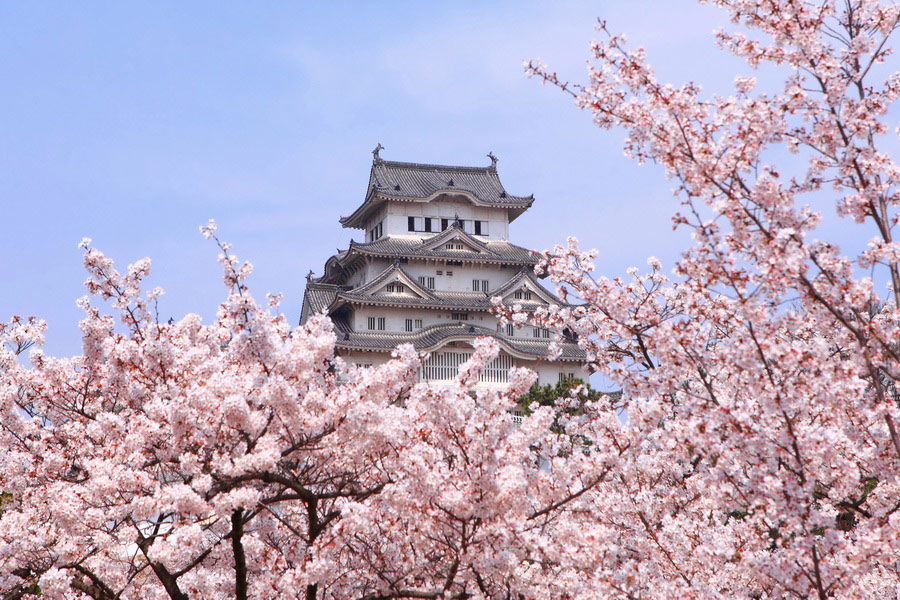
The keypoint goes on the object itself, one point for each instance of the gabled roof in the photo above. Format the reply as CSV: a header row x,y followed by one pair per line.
x,y
475,301
455,233
394,273
434,337
409,247
443,300
316,298
403,181
526,278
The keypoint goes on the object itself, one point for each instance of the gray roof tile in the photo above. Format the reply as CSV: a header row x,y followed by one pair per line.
x,y
392,180
495,251
416,180
432,337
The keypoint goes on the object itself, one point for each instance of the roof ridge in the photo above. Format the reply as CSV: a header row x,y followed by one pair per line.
x,y
431,166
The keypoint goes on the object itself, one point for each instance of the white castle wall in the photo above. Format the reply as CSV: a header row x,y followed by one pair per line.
x,y
394,218
459,281
548,372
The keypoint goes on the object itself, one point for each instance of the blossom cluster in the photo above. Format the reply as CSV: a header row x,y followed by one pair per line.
x,y
761,455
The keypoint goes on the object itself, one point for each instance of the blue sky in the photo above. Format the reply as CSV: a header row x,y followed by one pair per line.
x,y
134,123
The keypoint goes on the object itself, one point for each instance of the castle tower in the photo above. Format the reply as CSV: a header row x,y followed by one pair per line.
x,y
436,251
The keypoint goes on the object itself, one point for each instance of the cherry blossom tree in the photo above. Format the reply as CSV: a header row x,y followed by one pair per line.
x,y
243,459
761,454
759,458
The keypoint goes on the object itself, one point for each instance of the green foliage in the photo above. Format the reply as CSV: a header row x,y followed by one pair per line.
x,y
548,395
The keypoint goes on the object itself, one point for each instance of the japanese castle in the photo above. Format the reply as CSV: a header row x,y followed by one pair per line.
x,y
436,253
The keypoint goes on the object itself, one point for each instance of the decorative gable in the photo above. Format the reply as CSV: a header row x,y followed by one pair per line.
x,y
524,289
455,239
394,282
400,285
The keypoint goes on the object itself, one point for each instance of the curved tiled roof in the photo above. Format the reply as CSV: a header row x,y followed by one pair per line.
x,y
433,337
418,180
317,297
393,180
442,300
395,268
391,246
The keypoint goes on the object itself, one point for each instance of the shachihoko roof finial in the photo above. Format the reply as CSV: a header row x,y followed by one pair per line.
x,y
493,158
377,149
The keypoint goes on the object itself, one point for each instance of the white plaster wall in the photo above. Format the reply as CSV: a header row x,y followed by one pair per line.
x,y
460,281
395,318
548,372
396,223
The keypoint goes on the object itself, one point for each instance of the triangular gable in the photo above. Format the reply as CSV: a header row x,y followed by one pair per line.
x,y
401,284
394,274
455,235
524,289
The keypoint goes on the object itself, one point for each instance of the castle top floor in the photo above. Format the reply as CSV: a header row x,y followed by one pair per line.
x,y
418,200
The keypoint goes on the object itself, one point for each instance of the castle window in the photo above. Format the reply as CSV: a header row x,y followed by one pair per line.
x,y
418,323
509,329
454,263
396,288
376,323
565,377
427,224
444,224
409,324
449,273
376,232
411,223
459,316
476,285
541,332
426,282
481,228
522,294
